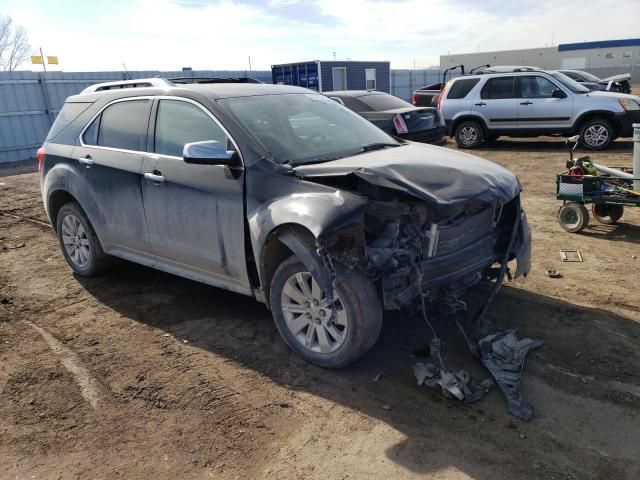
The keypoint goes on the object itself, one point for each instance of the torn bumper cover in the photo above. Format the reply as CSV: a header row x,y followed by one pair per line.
x,y
503,354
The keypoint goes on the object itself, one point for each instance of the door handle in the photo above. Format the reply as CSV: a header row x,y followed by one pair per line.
x,y
480,104
526,103
86,161
154,177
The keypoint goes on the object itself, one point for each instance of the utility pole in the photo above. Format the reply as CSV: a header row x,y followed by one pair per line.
x,y
43,61
249,62
334,56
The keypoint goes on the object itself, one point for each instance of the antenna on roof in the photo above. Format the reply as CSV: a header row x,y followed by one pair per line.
x,y
126,71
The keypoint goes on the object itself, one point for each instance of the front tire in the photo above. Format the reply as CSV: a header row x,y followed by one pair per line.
x,y
469,134
306,322
596,134
79,242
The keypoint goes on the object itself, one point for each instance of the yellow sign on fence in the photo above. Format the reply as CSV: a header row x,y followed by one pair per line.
x,y
37,59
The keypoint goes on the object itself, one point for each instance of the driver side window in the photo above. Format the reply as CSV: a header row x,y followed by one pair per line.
x,y
179,123
536,87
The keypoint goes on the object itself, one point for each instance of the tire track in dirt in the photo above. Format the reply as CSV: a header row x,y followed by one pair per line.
x,y
90,388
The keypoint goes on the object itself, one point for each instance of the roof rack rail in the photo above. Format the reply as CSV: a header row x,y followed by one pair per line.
x,y
510,69
138,83
182,80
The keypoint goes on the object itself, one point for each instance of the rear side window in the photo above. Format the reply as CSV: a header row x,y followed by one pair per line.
x,y
461,88
123,125
68,113
179,123
498,88
379,102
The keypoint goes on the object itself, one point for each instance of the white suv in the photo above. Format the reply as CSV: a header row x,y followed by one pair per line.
x,y
533,103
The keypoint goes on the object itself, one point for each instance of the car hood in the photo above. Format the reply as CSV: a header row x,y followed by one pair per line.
x,y
602,95
617,78
440,176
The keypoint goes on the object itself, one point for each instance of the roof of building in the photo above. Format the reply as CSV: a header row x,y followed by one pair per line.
x,y
627,42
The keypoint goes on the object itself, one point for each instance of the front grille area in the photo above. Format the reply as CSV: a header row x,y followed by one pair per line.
x,y
465,249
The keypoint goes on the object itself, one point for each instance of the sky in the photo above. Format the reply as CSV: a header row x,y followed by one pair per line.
x,y
222,34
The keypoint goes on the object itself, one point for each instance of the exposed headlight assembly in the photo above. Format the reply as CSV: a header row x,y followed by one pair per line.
x,y
629,104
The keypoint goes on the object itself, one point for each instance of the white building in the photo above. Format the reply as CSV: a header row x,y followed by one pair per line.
x,y
603,58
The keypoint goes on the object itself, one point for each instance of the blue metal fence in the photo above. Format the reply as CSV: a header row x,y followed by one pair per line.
x,y
30,101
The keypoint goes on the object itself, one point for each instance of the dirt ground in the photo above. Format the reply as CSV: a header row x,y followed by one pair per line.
x,y
140,374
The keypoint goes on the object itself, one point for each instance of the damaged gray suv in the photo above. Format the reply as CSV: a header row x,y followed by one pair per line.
x,y
282,194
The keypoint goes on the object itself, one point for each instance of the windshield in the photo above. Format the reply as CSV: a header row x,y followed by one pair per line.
x,y
379,102
588,77
572,85
304,128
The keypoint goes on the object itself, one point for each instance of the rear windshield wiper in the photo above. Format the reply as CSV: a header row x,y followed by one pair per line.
x,y
377,146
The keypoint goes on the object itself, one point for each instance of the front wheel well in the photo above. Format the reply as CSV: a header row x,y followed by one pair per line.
x,y
586,117
274,252
57,200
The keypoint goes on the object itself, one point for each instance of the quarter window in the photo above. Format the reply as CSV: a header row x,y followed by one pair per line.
x,y
179,123
121,125
536,87
498,88
461,88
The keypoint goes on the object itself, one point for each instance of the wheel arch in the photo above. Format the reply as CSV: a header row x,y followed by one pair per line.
x,y
278,247
595,114
57,199
463,118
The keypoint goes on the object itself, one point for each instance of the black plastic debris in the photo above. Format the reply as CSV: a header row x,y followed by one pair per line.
x,y
458,384
503,354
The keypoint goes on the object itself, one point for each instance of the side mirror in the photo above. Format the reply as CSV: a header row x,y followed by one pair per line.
x,y
209,152
557,93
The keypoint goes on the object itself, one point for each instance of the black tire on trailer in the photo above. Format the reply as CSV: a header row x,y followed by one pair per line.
x,y
607,214
309,328
573,217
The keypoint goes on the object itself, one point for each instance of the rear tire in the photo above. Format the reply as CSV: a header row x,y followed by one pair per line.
x,y
596,134
573,217
315,336
79,242
607,214
469,134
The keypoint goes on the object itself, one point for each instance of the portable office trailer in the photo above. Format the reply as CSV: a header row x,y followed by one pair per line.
x,y
325,76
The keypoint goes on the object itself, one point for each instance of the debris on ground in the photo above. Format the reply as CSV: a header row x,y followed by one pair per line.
x,y
14,247
458,384
503,354
551,273
570,256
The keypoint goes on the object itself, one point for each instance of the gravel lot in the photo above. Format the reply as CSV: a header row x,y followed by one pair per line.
x,y
182,380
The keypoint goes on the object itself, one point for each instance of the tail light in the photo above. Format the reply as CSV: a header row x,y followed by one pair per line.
x,y
441,95
414,98
439,101
401,127
40,157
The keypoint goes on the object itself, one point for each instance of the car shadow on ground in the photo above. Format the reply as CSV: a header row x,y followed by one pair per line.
x,y
545,145
584,343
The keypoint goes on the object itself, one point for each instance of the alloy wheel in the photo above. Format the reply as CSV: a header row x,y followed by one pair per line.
x,y
75,241
318,323
468,135
596,135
